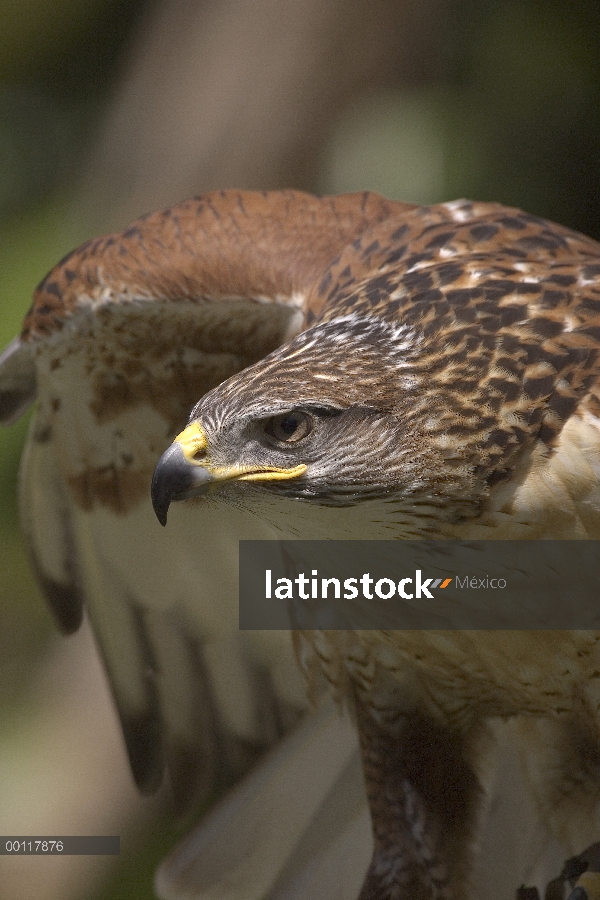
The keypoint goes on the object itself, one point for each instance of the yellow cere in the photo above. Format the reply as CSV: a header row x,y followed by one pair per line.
x,y
192,440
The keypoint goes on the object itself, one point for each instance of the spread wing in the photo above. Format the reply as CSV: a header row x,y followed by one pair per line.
x,y
123,337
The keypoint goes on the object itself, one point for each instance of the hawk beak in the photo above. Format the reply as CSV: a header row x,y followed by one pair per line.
x,y
176,478
183,472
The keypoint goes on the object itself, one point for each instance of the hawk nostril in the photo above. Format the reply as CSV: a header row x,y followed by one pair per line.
x,y
199,454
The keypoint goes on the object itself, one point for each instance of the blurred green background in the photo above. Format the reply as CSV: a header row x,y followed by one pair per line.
x,y
111,107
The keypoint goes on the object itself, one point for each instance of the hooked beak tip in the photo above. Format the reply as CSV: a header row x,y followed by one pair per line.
x,y
174,479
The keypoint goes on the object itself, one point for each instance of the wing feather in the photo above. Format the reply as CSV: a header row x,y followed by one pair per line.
x,y
190,718
119,629
17,381
46,521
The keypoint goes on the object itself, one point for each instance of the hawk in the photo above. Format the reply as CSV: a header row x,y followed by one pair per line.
x,y
356,368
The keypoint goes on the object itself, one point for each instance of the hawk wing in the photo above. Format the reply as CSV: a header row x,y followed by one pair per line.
x,y
123,336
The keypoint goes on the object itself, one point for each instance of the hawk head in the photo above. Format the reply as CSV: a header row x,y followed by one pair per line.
x,y
327,418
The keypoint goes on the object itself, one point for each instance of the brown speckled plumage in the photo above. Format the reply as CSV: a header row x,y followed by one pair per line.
x,y
508,307
447,359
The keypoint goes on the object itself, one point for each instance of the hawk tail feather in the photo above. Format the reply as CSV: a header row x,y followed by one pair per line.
x,y
280,834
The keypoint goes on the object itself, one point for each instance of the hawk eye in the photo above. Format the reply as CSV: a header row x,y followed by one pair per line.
x,y
290,427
